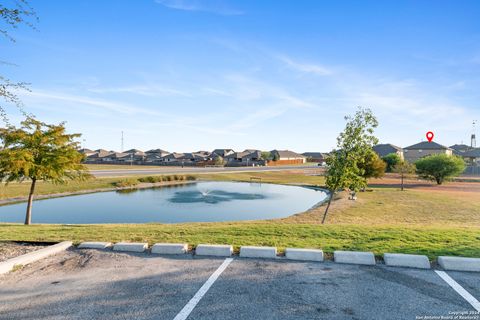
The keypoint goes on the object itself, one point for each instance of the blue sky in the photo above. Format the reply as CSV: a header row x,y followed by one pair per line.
x,y
187,75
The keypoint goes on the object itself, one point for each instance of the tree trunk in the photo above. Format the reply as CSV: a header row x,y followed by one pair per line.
x,y
28,216
328,206
402,182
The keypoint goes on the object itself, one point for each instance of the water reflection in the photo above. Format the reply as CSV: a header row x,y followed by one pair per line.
x,y
212,196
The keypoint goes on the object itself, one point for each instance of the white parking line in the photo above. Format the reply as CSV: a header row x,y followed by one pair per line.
x,y
185,312
459,289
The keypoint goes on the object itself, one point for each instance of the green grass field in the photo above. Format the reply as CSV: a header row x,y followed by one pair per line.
x,y
432,221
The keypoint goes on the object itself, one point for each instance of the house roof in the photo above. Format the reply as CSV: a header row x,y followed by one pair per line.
x,y
315,155
460,147
135,151
288,154
383,149
156,151
85,150
473,153
425,145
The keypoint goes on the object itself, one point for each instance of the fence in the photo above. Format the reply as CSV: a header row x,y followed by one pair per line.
x,y
472,171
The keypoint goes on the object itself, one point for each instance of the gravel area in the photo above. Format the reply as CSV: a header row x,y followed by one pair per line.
x,y
14,249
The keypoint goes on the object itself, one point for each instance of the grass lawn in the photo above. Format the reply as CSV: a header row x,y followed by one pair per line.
x,y
424,219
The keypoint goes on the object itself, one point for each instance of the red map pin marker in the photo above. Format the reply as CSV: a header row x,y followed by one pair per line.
x,y
430,136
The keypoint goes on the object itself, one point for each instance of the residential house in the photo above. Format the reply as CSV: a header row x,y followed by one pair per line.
x,y
286,157
458,149
223,152
86,152
155,156
384,149
248,157
315,157
414,152
472,157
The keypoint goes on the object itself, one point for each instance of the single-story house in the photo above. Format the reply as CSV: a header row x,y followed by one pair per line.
x,y
458,149
286,157
472,156
319,157
422,149
385,149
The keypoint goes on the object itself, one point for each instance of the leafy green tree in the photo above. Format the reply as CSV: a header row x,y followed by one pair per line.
x,y
38,151
404,168
275,156
373,167
391,160
266,155
439,167
345,166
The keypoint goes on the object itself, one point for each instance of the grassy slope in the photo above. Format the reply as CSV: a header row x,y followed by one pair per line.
x,y
385,220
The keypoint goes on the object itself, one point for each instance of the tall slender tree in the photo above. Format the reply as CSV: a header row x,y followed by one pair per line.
x,y
346,165
38,151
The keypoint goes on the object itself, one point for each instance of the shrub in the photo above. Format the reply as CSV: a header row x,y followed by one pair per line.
x,y
190,178
125,183
391,160
439,167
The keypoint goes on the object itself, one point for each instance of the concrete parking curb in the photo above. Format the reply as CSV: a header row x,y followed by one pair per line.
x,y
258,252
130,246
354,257
406,260
94,245
459,263
214,250
304,254
8,265
170,248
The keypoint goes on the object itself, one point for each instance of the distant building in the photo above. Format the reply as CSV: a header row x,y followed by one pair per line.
x,y
315,156
423,149
458,149
385,149
286,157
472,156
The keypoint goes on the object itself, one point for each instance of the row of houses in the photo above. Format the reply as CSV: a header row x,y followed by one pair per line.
x,y
228,157
422,149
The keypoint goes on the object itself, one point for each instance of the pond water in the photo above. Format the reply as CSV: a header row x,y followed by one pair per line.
x,y
196,202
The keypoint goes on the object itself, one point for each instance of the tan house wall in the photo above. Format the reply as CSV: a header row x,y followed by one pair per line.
x,y
414,155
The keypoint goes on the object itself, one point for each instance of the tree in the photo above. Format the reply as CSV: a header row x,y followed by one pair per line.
x,y
439,167
404,168
391,160
219,161
18,13
373,167
39,151
275,156
354,144
266,155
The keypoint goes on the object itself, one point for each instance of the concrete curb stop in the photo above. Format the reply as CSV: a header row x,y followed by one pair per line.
x,y
8,265
459,263
304,254
94,245
169,248
406,260
214,250
130,246
354,257
258,252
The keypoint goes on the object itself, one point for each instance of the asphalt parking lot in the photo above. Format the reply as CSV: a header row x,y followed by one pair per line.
x,y
92,284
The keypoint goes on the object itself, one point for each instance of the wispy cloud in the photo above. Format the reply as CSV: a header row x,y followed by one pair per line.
x,y
211,6
144,90
306,67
